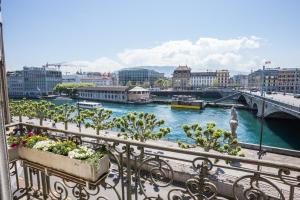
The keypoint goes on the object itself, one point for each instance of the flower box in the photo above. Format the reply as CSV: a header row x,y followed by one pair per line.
x,y
79,168
12,154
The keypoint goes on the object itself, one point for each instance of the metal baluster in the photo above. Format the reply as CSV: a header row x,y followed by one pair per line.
x,y
122,175
128,172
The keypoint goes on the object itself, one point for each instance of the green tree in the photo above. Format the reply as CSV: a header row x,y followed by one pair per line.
x,y
129,84
140,126
146,84
99,119
70,88
80,117
40,109
63,114
211,139
162,83
19,108
215,83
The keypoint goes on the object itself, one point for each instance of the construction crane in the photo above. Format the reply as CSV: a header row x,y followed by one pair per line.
x,y
59,65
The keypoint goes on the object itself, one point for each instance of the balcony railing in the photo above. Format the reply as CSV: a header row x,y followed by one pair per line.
x,y
146,171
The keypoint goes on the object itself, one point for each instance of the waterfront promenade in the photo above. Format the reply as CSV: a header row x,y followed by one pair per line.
x,y
248,152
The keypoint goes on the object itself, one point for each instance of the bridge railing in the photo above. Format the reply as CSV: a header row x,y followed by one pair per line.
x,y
274,102
151,171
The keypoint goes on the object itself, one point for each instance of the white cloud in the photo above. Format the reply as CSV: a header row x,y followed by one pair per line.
x,y
102,64
205,53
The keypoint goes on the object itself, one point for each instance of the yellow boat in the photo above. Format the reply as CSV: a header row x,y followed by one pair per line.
x,y
186,102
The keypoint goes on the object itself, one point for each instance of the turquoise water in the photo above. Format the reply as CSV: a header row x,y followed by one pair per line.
x,y
278,133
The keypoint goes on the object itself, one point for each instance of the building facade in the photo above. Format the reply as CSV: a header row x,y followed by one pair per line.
x,y
112,93
40,80
15,84
240,81
289,80
266,79
222,78
33,81
122,94
138,94
99,79
181,78
203,79
71,78
138,76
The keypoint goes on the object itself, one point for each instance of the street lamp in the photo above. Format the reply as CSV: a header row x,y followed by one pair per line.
x,y
261,151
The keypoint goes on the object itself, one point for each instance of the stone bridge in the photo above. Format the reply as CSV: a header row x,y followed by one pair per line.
x,y
273,108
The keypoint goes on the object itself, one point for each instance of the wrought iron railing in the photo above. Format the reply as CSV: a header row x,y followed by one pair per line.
x,y
147,171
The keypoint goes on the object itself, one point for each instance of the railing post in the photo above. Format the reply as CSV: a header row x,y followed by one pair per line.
x,y
128,172
5,187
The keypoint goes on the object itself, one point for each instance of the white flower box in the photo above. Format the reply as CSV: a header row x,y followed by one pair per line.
x,y
79,168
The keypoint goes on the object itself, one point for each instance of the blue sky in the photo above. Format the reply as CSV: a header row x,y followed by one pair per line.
x,y
107,35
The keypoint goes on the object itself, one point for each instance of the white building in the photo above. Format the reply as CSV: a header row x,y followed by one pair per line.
x,y
240,81
71,78
203,79
105,79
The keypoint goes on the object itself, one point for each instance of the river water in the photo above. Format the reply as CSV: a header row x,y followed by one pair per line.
x,y
278,133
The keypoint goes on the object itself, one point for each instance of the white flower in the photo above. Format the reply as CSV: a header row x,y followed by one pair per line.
x,y
82,152
44,145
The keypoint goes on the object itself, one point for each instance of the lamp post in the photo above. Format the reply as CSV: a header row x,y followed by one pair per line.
x,y
261,151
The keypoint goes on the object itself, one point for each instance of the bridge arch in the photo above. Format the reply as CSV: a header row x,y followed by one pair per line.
x,y
255,108
281,115
242,100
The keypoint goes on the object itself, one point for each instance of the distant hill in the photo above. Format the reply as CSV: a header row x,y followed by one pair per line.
x,y
167,70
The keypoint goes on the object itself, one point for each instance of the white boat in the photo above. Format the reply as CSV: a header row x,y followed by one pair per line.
x,y
88,105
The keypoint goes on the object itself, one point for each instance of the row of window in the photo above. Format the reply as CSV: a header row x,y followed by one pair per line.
x,y
102,96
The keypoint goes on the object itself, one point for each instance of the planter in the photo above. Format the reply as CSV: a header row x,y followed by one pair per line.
x,y
12,154
79,168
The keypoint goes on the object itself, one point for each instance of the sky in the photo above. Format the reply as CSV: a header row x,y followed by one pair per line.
x,y
97,35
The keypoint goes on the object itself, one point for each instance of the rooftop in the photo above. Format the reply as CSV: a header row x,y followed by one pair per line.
x,y
182,68
138,89
105,88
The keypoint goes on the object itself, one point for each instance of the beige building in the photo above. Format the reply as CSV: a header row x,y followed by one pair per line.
x,y
289,80
181,78
222,78
114,94
138,94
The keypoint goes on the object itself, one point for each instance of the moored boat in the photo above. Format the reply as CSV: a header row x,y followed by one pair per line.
x,y
186,102
88,105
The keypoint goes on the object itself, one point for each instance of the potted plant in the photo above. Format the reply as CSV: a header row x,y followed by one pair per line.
x,y
64,156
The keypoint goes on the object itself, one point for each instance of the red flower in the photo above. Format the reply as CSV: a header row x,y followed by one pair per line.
x,y
13,145
29,134
23,142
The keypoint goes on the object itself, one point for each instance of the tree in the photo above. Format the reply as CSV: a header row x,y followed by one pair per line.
x,y
70,88
99,118
129,84
215,83
140,126
146,84
80,117
19,108
40,109
162,83
63,114
211,139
